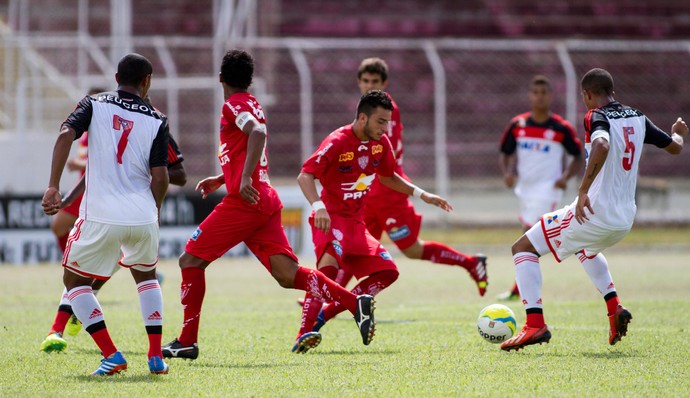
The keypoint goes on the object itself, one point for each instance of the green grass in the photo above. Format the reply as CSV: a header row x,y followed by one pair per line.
x,y
426,343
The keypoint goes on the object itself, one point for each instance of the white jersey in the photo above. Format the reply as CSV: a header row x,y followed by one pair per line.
x,y
127,137
612,193
540,148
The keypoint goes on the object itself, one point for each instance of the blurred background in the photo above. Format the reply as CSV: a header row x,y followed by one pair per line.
x,y
459,71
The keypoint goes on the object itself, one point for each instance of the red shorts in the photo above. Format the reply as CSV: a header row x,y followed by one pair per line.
x,y
397,217
229,225
73,209
355,249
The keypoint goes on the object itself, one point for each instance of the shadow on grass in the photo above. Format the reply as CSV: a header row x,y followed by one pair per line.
x,y
120,378
95,351
238,366
611,354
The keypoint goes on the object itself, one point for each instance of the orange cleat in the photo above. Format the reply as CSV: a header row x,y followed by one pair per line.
x,y
527,336
619,324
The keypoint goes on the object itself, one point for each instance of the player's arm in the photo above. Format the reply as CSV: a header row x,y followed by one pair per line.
x,y
573,147
52,198
597,157
177,174
307,183
158,164
159,184
74,193
255,149
679,131
507,163
573,168
397,183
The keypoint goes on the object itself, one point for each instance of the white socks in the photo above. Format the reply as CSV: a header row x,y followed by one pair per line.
x,y
528,277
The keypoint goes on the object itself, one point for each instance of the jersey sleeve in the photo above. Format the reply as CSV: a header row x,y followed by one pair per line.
x,y
595,120
159,149
174,154
508,142
80,118
318,162
656,136
571,143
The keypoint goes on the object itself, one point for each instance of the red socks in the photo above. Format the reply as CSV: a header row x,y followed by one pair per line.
x,y
192,291
319,285
612,302
441,254
535,318
64,312
312,305
372,285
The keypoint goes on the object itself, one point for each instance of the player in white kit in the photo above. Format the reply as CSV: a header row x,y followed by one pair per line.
x,y
126,181
603,212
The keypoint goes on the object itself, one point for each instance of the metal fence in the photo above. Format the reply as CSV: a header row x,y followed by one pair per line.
x,y
455,95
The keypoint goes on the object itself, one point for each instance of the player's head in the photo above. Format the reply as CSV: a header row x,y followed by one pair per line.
x,y
134,70
540,93
237,69
597,87
372,75
374,114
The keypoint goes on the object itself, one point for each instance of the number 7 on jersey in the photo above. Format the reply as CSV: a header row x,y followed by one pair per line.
x,y
126,126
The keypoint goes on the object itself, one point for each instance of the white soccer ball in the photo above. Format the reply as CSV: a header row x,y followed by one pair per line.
x,y
496,323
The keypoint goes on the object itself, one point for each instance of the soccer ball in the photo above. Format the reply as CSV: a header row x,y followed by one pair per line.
x,y
496,323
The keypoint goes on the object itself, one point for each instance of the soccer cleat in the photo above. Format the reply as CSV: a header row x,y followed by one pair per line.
x,y
157,366
306,342
320,321
73,326
54,343
364,316
115,363
527,336
175,349
619,324
478,273
508,296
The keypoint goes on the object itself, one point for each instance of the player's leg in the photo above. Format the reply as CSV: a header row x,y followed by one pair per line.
x,y
597,269
222,230
140,255
54,340
529,279
61,225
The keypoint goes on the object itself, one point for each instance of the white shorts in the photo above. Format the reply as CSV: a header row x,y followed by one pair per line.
x,y
559,233
93,249
532,209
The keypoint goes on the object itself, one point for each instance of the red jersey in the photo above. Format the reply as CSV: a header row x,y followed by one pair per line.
x,y
395,134
232,152
346,167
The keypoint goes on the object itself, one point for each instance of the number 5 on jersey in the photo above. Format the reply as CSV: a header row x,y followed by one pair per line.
x,y
126,126
629,148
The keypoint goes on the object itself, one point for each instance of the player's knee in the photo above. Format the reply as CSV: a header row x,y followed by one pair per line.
x,y
522,245
283,270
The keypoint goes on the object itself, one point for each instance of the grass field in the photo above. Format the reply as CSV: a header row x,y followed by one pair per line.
x,y
426,343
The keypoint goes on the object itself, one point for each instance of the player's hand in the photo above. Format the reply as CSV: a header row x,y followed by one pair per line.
x,y
561,183
208,185
437,201
509,180
51,201
248,192
322,220
582,204
680,128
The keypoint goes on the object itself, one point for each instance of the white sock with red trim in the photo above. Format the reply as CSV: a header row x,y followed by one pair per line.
x,y
598,271
151,305
85,306
528,277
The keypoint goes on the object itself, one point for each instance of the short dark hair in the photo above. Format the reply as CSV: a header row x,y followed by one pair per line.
x,y
237,69
598,81
133,69
375,66
374,99
541,80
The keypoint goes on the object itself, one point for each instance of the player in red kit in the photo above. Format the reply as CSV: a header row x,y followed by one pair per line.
x,y
346,164
249,213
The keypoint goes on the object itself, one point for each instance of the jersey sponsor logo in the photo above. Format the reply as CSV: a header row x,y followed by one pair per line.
x,y
323,152
399,233
386,256
256,108
338,248
196,234
376,149
552,219
346,157
345,169
362,148
359,187
222,154
375,163
363,161
534,146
